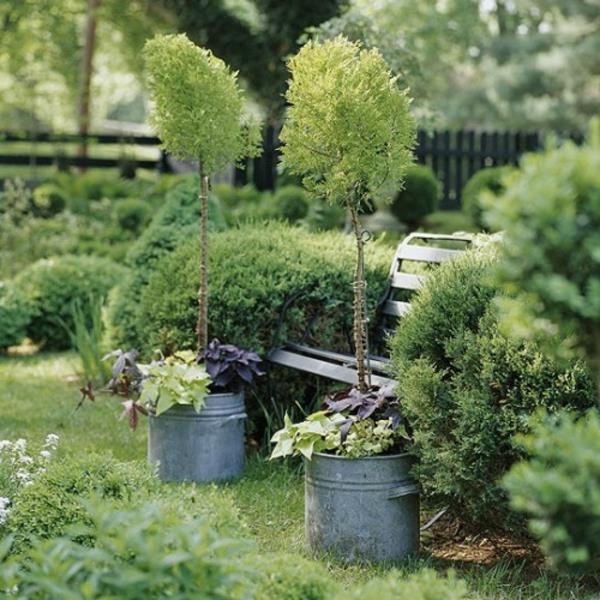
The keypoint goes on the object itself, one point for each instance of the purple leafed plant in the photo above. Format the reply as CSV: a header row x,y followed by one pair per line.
x,y
229,367
126,381
381,403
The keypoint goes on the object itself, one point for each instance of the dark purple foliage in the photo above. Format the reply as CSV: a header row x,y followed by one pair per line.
x,y
126,381
228,365
379,403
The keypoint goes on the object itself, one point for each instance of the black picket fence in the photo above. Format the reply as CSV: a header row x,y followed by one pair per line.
x,y
454,156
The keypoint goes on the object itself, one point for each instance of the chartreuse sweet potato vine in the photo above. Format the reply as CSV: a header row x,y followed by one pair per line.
x,y
349,133
198,114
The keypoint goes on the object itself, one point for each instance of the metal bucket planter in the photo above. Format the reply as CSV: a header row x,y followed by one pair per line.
x,y
200,447
361,509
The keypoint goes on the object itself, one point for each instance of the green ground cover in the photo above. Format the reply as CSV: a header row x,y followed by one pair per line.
x,y
38,395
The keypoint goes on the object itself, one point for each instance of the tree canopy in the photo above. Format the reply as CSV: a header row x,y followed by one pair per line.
x,y
198,104
349,129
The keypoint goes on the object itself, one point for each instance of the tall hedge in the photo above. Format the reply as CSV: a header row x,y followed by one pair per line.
x,y
467,390
254,271
176,221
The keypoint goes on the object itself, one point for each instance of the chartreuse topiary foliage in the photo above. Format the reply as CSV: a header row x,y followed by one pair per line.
x,y
467,389
418,198
50,287
550,267
490,182
198,114
349,133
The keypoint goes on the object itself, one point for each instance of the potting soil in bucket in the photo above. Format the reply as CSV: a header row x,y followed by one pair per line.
x,y
199,447
361,509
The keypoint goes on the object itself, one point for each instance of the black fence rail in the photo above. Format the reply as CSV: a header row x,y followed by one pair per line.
x,y
63,153
454,156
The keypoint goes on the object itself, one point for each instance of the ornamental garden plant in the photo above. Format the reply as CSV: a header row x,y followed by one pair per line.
x,y
551,270
349,134
198,114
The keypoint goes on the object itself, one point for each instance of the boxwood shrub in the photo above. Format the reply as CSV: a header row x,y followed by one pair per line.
x,y
419,197
14,315
50,286
558,488
254,271
467,390
490,180
177,220
55,499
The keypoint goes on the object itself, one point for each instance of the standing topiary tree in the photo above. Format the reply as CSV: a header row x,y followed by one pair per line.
x,y
349,133
198,114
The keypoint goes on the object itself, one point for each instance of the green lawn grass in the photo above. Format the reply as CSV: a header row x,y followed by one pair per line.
x,y
38,395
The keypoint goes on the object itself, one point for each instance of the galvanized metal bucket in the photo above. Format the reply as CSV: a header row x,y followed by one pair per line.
x,y
364,509
200,447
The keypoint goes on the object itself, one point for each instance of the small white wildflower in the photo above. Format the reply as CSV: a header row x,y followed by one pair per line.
x,y
4,503
25,459
23,476
51,440
45,454
5,444
20,445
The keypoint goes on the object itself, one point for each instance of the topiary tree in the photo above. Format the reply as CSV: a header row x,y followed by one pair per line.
x,y
198,114
349,133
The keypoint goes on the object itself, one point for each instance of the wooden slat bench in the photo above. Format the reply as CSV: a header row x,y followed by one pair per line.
x,y
424,248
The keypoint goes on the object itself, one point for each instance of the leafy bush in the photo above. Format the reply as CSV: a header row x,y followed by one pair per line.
x,y
559,489
323,216
53,501
491,181
419,197
176,221
14,316
550,261
291,203
50,286
138,553
283,577
467,389
96,185
423,585
48,200
131,214
254,271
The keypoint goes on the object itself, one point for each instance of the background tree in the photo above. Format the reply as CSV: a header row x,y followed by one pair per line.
x,y
253,36
198,114
349,132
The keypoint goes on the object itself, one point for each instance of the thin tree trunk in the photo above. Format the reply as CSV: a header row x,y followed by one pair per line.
x,y
202,327
360,315
86,74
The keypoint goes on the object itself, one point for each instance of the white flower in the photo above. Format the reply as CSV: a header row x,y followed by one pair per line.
x,y
20,445
4,503
4,444
45,454
23,476
51,440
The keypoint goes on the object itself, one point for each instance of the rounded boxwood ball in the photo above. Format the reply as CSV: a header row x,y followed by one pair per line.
x,y
419,197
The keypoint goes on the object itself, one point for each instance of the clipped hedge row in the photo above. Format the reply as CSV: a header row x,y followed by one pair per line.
x,y
38,302
254,271
467,390
176,221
